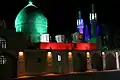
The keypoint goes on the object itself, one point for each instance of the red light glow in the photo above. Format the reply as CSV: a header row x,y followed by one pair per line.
x,y
68,46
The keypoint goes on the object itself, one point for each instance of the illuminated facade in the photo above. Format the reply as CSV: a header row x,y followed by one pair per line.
x,y
62,62
32,22
59,57
37,62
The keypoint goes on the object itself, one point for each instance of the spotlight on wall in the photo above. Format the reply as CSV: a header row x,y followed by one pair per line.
x,y
21,53
117,53
49,54
88,54
70,55
21,56
103,53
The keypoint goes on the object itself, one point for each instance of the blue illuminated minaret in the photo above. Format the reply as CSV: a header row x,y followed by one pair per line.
x,y
93,22
80,23
86,34
98,30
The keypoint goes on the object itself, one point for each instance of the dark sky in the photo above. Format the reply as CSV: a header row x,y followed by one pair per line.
x,y
61,14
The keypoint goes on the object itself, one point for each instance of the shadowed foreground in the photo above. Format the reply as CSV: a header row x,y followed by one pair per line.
x,y
106,75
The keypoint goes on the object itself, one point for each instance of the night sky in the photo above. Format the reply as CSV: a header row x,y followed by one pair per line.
x,y
61,14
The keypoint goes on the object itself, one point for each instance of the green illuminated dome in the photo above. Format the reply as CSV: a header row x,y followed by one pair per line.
x,y
31,21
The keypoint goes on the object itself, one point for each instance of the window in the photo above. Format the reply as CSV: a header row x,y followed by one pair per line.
x,y
59,58
2,43
3,60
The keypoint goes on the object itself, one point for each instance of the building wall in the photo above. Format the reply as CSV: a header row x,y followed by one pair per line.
x,y
17,42
35,62
9,68
79,61
60,66
14,40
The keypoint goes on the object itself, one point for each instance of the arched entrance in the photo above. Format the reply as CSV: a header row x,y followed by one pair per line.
x,y
8,66
97,61
110,61
79,63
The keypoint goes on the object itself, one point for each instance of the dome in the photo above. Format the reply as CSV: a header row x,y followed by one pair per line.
x,y
31,21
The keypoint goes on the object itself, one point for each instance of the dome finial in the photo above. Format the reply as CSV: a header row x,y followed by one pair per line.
x,y
30,2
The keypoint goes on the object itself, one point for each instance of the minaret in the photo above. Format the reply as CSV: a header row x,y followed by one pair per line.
x,y
80,23
93,22
86,34
98,31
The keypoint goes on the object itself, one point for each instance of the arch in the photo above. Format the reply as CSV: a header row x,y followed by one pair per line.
x,y
2,38
79,62
96,61
9,69
110,61
2,24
